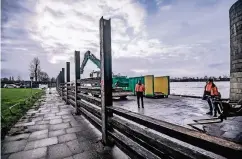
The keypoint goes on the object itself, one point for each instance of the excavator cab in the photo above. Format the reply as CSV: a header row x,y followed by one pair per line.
x,y
95,74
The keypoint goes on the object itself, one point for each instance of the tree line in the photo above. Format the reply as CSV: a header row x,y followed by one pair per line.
x,y
199,79
35,71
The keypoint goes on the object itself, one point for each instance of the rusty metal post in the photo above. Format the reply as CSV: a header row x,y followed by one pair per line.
x,y
67,80
77,79
106,74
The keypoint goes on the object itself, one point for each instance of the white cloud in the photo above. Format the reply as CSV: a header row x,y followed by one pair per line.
x,y
57,23
177,38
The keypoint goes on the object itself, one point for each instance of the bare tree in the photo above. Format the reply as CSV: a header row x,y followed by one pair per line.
x,y
35,68
19,78
52,79
43,76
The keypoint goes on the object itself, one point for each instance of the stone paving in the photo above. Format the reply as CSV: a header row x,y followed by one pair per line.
x,y
52,131
182,111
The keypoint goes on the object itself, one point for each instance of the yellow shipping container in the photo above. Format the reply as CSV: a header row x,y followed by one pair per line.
x,y
162,85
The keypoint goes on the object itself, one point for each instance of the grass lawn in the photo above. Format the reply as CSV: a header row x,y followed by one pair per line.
x,y
12,96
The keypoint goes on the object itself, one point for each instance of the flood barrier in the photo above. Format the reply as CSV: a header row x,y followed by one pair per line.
x,y
137,135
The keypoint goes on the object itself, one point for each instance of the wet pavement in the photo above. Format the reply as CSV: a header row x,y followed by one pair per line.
x,y
52,131
182,111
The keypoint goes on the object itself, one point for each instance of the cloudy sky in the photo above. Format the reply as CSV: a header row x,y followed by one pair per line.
x,y
160,37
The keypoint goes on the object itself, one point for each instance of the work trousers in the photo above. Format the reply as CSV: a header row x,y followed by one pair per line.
x,y
216,105
210,103
140,96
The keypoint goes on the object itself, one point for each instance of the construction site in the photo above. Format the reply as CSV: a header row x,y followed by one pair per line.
x,y
167,126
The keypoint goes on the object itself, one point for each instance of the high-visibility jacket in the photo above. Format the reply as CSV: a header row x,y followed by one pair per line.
x,y
208,87
214,91
139,88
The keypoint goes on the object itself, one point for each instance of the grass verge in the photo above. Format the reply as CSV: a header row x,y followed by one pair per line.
x,y
23,101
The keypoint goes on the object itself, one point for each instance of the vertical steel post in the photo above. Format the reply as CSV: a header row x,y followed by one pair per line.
x,y
77,79
57,81
106,74
58,85
67,80
63,82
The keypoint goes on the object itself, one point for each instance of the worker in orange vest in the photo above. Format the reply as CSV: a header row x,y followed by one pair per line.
x,y
139,89
207,95
216,97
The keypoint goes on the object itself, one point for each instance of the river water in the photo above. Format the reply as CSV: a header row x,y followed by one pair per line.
x,y
197,88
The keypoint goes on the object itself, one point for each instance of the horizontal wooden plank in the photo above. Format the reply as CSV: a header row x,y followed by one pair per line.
x,y
72,102
160,145
71,97
217,145
97,91
90,108
91,118
133,149
91,99
91,80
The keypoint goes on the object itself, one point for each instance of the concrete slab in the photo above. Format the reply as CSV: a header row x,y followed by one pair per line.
x,y
87,155
38,127
51,118
41,143
37,119
75,129
58,151
13,146
43,122
49,115
180,111
37,135
57,133
67,117
69,157
230,134
17,137
55,121
30,154
24,124
75,147
64,113
59,126
66,137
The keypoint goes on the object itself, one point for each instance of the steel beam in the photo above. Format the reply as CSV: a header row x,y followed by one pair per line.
x,y
106,73
77,77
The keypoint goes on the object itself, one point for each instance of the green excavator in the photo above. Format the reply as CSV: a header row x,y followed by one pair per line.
x,y
118,80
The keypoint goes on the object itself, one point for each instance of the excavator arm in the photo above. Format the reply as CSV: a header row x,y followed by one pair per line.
x,y
89,56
